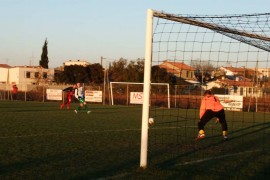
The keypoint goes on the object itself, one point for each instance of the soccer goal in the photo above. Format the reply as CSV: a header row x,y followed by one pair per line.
x,y
128,88
228,54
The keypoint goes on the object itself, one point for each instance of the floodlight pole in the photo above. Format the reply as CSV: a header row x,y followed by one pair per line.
x,y
146,88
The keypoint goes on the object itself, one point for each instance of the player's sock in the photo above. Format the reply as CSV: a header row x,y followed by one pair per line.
x,y
225,135
201,134
87,110
78,108
201,131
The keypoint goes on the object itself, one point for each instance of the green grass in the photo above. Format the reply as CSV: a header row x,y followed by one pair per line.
x,y
39,141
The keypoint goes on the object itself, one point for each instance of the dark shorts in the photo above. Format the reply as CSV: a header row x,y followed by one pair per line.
x,y
209,114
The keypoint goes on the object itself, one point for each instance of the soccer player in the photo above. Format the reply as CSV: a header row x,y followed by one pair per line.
x,y
79,94
210,108
14,92
70,93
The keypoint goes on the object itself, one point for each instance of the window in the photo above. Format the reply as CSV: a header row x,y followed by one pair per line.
x,y
27,74
44,75
235,88
36,74
241,91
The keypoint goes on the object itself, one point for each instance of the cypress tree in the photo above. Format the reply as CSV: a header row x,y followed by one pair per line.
x,y
44,56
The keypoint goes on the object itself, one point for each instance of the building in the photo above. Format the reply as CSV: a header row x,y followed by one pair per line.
x,y
4,68
265,72
241,72
233,87
241,81
30,75
78,62
179,69
23,76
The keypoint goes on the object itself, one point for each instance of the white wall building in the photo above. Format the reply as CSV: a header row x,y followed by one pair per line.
x,y
24,75
78,62
265,72
4,73
30,75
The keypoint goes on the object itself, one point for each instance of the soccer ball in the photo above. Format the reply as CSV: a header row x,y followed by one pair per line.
x,y
151,121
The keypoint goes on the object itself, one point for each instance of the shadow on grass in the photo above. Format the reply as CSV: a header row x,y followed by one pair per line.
x,y
195,148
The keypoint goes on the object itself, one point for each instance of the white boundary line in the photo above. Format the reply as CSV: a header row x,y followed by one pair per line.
x,y
214,158
115,177
67,133
101,131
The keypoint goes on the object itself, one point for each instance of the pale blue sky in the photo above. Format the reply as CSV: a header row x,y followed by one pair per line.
x,y
89,29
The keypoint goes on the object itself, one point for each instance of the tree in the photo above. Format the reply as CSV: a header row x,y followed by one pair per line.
x,y
72,74
117,70
203,71
44,61
160,75
135,71
75,73
95,73
59,76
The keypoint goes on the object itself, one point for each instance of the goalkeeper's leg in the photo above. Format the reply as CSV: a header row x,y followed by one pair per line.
x,y
221,116
208,115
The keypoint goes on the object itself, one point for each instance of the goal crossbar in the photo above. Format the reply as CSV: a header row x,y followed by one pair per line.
x,y
215,27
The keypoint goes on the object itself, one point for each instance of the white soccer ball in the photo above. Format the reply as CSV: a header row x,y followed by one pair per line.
x,y
151,120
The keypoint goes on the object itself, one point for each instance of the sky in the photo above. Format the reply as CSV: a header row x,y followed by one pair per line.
x,y
91,29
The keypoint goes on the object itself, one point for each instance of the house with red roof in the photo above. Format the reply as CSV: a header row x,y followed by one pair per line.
x,y
236,72
179,69
239,81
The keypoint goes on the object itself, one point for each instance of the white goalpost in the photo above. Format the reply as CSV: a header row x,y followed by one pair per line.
x,y
146,88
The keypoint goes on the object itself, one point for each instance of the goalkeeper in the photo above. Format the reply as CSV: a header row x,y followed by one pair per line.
x,y
210,108
79,94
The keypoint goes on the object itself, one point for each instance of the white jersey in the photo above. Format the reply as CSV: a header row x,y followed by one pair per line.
x,y
79,92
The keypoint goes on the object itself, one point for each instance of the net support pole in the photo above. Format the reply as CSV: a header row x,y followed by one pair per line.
x,y
111,93
168,95
146,88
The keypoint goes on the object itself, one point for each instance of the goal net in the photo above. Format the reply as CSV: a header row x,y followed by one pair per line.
x,y
228,54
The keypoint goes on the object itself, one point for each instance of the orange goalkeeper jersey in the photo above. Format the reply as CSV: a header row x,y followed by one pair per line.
x,y
210,102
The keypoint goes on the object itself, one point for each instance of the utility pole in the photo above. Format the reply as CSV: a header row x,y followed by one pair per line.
x,y
202,80
104,79
31,60
257,87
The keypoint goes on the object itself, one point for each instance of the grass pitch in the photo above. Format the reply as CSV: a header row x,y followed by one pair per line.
x,y
39,141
